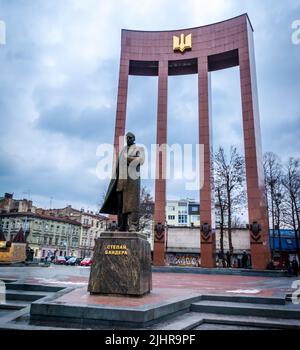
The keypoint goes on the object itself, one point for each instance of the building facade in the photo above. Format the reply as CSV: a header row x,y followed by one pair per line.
x,y
183,245
183,212
47,235
91,226
63,231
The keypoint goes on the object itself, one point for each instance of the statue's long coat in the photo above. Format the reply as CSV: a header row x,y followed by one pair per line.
x,y
122,181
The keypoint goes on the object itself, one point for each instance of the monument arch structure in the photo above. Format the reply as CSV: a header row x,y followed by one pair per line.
x,y
200,51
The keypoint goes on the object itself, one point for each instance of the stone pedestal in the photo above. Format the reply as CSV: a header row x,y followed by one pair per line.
x,y
121,264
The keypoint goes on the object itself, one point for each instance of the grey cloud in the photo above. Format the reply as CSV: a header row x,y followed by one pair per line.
x,y
88,124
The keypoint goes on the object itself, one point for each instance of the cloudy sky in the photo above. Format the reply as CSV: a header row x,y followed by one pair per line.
x,y
58,87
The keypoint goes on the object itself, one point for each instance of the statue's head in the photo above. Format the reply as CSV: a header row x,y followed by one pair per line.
x,y
130,138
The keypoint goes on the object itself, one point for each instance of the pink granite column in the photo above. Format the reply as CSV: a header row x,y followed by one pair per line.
x,y
257,207
160,181
121,112
122,100
206,192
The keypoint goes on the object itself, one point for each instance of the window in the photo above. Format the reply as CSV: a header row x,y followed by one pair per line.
x,y
171,217
182,219
195,218
85,221
182,209
171,208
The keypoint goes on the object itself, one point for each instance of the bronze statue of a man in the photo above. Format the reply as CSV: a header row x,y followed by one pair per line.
x,y
123,194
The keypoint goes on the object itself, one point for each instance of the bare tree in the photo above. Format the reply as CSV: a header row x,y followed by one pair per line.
x,y
230,180
291,182
274,192
221,207
146,209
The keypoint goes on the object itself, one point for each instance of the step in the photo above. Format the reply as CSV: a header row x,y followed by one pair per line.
x,y
24,295
19,303
252,321
192,320
185,321
246,309
245,299
12,306
289,297
33,287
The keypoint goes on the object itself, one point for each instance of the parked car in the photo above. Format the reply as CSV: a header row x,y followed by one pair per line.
x,y
67,257
78,261
72,261
60,260
86,262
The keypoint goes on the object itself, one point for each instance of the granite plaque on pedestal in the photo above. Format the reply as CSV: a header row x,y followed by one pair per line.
x,y
121,264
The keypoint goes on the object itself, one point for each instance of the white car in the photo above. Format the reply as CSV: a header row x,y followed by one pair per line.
x,y
71,261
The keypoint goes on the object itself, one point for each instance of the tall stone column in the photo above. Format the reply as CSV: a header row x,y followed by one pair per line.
x,y
160,181
206,190
122,101
257,206
121,112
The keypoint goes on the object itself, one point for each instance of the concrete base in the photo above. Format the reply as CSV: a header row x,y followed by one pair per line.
x,y
121,265
162,309
77,306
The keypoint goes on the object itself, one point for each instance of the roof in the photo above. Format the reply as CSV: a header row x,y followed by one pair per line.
x,y
80,212
206,25
42,216
20,237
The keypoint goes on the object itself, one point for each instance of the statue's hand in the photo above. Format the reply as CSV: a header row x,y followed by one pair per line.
x,y
131,158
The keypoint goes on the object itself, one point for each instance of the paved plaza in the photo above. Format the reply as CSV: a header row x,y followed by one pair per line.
x,y
190,300
174,283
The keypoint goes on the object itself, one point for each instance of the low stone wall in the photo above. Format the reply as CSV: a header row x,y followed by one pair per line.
x,y
16,253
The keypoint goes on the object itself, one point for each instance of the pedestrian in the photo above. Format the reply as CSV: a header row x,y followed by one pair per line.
x,y
288,266
223,260
244,260
295,267
228,259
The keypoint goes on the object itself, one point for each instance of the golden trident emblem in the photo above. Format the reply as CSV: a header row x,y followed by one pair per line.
x,y
182,43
